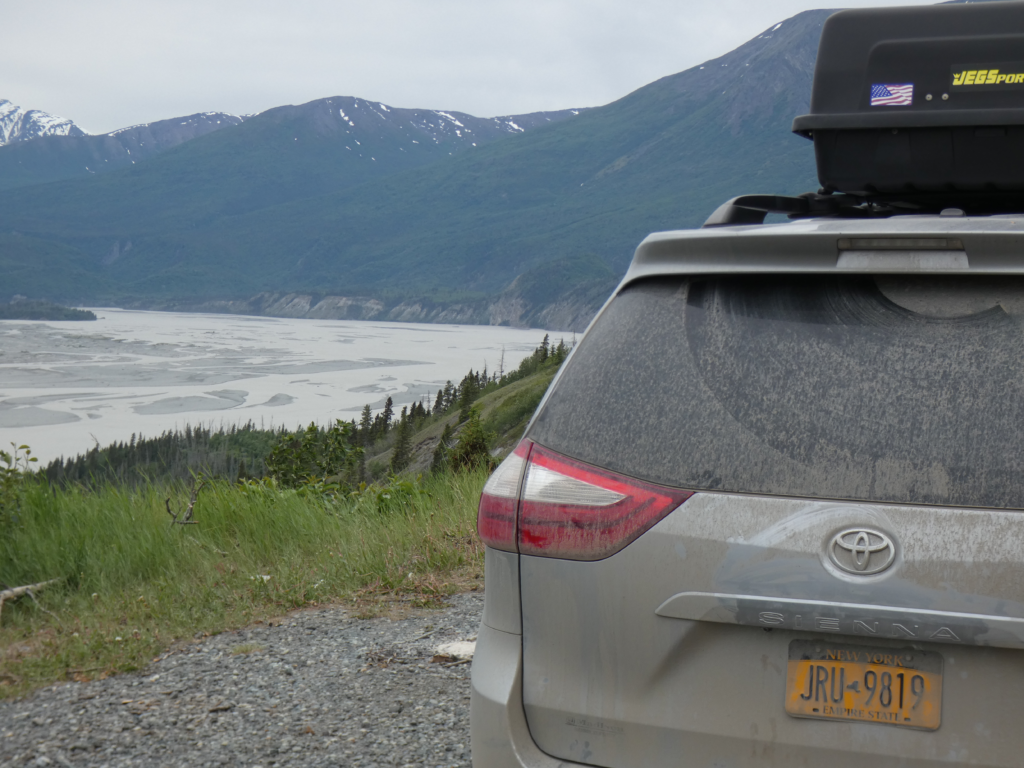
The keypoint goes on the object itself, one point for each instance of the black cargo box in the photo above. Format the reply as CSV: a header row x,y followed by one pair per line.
x,y
928,99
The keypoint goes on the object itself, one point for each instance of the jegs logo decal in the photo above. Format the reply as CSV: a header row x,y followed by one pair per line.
x,y
990,77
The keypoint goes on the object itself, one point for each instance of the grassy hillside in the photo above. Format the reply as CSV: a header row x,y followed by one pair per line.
x,y
504,415
130,583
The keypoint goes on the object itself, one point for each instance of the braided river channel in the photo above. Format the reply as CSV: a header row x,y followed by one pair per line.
x,y
68,386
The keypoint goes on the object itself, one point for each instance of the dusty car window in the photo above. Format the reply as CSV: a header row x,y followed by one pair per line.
x,y
832,387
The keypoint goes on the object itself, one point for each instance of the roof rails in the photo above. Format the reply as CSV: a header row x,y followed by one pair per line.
x,y
752,209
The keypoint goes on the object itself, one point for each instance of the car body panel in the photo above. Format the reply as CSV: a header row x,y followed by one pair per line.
x,y
499,733
992,245
610,682
501,604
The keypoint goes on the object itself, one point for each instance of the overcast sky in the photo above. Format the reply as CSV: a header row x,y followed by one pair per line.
x,y
107,64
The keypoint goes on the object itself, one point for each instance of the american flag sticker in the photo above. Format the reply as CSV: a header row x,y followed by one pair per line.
x,y
892,95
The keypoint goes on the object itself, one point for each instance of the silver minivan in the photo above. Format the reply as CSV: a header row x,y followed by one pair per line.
x,y
771,510
769,513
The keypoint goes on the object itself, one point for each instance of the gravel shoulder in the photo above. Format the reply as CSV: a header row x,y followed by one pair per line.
x,y
317,688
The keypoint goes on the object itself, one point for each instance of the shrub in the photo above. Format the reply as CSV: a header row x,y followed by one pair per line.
x,y
14,468
472,450
323,461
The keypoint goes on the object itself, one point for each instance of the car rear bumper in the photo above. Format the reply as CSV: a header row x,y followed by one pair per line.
x,y
499,734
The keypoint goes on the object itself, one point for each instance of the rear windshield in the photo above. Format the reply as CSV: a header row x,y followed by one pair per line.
x,y
904,390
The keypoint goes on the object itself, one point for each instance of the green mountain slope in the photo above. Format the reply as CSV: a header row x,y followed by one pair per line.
x,y
460,229
77,155
284,154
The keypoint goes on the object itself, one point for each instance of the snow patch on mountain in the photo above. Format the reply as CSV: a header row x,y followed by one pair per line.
x,y
17,124
384,125
205,121
450,118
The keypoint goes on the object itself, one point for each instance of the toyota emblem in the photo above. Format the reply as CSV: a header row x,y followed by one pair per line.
x,y
862,551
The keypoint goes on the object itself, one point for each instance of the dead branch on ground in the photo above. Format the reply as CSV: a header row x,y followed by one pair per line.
x,y
28,589
197,542
186,518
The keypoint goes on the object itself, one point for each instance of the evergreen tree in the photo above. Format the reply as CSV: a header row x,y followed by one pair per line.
x,y
440,459
472,449
170,456
389,412
560,352
402,453
439,402
365,439
468,391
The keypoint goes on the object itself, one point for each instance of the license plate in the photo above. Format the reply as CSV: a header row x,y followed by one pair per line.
x,y
870,685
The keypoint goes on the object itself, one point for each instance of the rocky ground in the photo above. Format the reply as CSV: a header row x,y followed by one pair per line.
x,y
317,688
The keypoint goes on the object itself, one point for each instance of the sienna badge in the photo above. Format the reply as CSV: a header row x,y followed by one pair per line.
x,y
862,551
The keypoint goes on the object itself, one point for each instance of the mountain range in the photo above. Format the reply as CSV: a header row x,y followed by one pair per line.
x,y
344,207
388,139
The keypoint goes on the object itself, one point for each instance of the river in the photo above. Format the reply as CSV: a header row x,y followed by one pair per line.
x,y
66,386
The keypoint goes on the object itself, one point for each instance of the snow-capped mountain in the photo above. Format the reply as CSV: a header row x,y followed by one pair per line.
x,y
357,116
17,124
381,133
378,139
55,156
141,141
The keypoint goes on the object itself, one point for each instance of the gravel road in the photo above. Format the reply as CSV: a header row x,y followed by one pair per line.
x,y
320,688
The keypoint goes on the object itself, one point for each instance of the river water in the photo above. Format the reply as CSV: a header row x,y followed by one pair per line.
x,y
66,386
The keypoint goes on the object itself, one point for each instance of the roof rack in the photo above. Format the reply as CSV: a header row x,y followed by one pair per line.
x,y
753,209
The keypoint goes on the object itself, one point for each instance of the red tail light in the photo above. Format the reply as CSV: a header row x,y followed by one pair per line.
x,y
554,506
496,517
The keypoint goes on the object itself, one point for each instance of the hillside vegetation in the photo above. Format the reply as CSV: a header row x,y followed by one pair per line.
x,y
152,542
42,310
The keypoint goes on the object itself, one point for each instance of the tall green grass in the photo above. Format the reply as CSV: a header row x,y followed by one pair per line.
x,y
132,583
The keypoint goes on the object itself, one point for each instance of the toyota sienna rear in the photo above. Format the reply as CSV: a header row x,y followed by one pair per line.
x,y
770,510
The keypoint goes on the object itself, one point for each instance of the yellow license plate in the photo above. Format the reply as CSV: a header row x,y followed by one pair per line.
x,y
870,685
